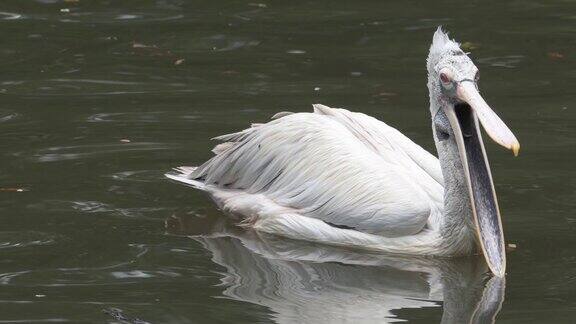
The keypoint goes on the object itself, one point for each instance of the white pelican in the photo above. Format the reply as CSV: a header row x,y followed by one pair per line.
x,y
344,178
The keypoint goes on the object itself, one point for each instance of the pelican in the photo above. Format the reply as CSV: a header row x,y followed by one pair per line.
x,y
346,179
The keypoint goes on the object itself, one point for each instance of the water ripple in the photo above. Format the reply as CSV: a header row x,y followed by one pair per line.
x,y
109,17
92,207
64,277
119,315
141,117
94,81
508,61
142,274
63,153
136,176
6,116
43,320
10,15
9,240
107,93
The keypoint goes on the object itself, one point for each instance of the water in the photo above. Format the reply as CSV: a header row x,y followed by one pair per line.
x,y
100,98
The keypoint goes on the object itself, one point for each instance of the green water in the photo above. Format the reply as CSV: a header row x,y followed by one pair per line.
x,y
98,99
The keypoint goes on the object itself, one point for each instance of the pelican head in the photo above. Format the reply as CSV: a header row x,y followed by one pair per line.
x,y
457,111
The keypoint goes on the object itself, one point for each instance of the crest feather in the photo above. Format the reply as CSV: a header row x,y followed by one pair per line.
x,y
439,39
440,42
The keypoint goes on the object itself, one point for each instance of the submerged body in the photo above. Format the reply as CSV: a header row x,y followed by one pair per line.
x,y
347,179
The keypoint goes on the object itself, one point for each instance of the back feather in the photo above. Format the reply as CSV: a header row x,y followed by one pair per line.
x,y
347,169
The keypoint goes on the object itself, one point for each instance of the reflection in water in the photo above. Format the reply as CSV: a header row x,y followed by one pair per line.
x,y
303,282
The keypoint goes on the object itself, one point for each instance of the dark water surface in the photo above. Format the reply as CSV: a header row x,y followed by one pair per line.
x,y
99,98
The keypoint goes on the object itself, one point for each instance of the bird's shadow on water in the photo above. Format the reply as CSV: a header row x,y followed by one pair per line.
x,y
305,282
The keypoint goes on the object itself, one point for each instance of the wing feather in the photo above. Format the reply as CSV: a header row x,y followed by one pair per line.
x,y
344,168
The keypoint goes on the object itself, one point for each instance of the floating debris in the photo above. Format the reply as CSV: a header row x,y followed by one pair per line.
x,y
468,46
259,5
120,316
555,55
155,50
125,140
140,45
385,94
296,51
511,247
13,189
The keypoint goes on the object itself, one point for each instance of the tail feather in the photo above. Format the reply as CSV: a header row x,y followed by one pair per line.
x,y
181,174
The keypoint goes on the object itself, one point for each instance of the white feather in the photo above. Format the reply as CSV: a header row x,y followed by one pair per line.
x,y
330,176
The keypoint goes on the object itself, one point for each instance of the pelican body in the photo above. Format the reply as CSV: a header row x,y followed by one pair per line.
x,y
343,178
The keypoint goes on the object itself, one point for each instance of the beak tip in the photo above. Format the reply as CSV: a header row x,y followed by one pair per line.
x,y
498,270
516,148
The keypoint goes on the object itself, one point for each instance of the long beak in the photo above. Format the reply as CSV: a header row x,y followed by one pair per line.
x,y
464,119
493,125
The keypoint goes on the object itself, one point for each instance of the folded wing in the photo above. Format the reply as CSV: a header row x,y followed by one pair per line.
x,y
347,169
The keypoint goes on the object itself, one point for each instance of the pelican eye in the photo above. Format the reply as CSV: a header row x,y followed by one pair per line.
x,y
446,81
444,77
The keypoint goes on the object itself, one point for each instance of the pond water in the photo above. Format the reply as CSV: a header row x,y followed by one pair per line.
x,y
100,98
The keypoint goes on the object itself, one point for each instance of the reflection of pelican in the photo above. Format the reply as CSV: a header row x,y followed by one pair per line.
x,y
346,179
302,283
